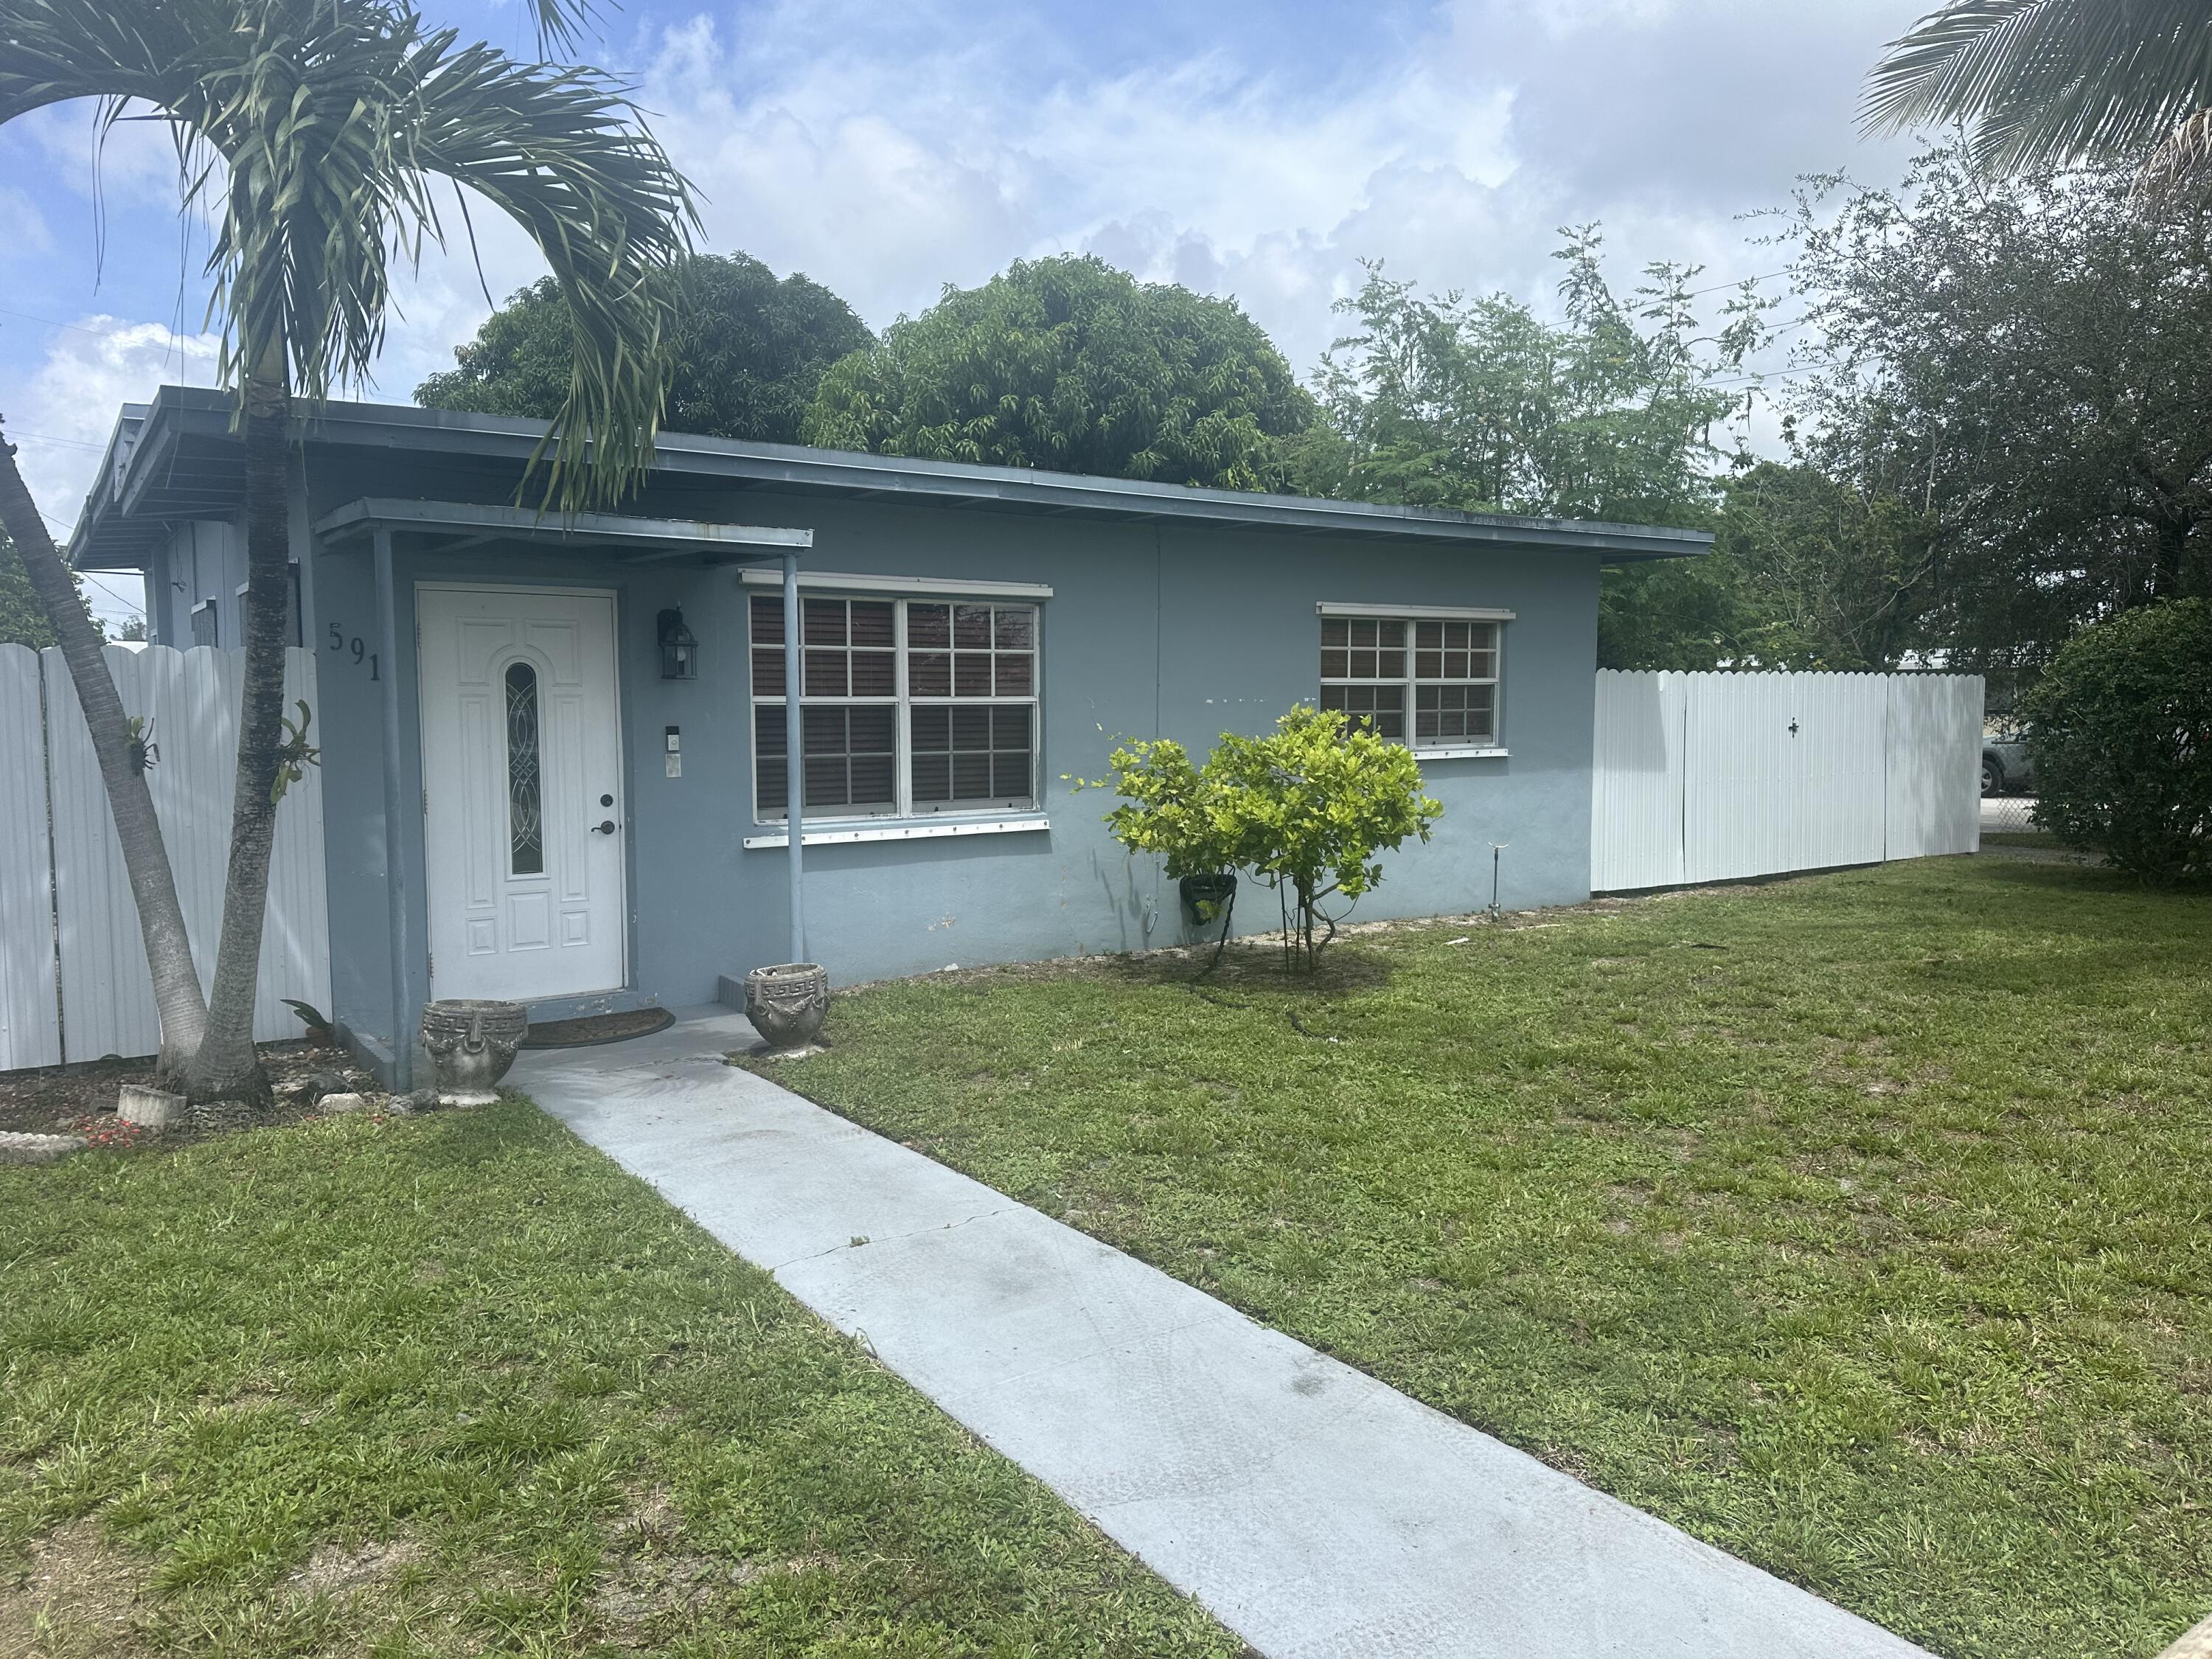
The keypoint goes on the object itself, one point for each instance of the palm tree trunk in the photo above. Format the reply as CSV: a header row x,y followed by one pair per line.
x,y
145,855
227,1066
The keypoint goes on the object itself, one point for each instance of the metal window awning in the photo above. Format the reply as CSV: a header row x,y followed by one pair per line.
x,y
450,527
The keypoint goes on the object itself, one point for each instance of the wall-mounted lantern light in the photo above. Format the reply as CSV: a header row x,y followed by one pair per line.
x,y
679,649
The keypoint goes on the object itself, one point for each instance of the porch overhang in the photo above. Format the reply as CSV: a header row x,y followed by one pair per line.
x,y
451,526
374,524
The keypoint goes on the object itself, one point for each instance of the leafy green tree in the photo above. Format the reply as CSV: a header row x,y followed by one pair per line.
x,y
333,121
1688,614
2010,374
1825,573
1481,405
2122,725
1807,572
1069,364
2045,83
1611,414
745,352
21,621
1304,809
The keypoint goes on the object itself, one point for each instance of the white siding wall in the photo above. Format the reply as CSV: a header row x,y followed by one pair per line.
x,y
1714,777
192,698
29,1033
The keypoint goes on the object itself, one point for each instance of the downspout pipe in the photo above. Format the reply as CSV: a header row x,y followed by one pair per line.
x,y
399,909
794,774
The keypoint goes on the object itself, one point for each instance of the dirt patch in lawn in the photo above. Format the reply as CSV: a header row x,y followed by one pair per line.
x,y
635,1605
79,1598
80,1099
341,1569
656,1584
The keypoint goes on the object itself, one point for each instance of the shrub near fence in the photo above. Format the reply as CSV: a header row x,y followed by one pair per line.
x,y
1715,777
73,980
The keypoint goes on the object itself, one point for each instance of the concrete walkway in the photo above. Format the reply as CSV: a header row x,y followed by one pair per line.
x,y
1313,1510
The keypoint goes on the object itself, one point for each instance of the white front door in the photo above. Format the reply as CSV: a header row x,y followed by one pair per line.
x,y
522,791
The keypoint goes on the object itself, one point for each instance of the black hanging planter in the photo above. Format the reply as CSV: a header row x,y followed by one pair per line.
x,y
1204,895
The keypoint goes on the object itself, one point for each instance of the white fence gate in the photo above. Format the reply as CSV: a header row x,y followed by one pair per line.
x,y
1711,777
73,978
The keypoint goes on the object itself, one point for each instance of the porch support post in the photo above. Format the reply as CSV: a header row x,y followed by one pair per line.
x,y
794,773
395,862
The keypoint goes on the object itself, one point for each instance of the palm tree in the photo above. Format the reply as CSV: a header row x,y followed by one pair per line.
x,y
2047,83
177,996
319,129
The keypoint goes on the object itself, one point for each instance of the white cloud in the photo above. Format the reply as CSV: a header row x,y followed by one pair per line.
x,y
64,413
67,410
130,163
887,153
889,166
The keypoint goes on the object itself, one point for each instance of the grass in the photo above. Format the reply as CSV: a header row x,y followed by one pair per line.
x,y
1860,1224
455,1385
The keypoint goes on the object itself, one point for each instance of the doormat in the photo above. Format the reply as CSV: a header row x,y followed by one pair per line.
x,y
597,1028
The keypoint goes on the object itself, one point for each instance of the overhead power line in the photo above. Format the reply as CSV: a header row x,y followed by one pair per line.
x,y
48,438
56,322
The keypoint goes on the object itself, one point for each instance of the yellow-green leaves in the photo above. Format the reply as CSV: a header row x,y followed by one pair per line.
x,y
1304,809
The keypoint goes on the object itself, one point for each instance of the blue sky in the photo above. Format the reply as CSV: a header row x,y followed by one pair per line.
x,y
1258,150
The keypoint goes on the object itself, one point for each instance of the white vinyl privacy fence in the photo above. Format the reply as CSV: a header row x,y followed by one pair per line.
x,y
73,980
1713,777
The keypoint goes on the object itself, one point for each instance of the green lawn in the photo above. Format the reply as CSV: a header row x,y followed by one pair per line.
x,y
1860,1224
455,1385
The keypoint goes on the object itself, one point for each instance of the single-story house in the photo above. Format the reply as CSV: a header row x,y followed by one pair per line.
x,y
555,754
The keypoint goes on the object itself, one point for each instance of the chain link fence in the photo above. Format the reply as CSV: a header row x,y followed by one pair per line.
x,y
2008,815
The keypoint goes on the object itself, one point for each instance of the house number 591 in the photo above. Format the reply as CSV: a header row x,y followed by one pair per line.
x,y
355,649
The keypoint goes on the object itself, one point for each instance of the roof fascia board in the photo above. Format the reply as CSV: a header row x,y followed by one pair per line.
x,y
157,443
396,426
400,425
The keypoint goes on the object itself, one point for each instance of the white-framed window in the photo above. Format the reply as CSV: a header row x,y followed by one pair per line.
x,y
1430,681
908,707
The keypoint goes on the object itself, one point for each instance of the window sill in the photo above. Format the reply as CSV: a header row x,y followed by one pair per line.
x,y
1459,754
904,830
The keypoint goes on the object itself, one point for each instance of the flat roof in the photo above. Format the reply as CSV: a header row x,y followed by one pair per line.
x,y
177,459
469,523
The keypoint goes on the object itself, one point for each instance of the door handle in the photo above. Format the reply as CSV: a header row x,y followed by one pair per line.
x,y
604,827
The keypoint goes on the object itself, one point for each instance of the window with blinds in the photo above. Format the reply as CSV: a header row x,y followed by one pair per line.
x,y
907,707
1431,683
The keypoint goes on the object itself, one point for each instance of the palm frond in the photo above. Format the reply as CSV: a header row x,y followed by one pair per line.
x,y
2181,169
560,22
559,154
334,120
2048,83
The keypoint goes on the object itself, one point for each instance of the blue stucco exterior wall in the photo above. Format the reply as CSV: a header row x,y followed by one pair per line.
x,y
1181,632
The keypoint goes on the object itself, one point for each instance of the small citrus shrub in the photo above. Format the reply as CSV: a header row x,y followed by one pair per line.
x,y
1304,809
2121,728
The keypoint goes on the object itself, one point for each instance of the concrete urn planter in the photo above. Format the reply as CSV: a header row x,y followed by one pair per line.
x,y
471,1043
787,1004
